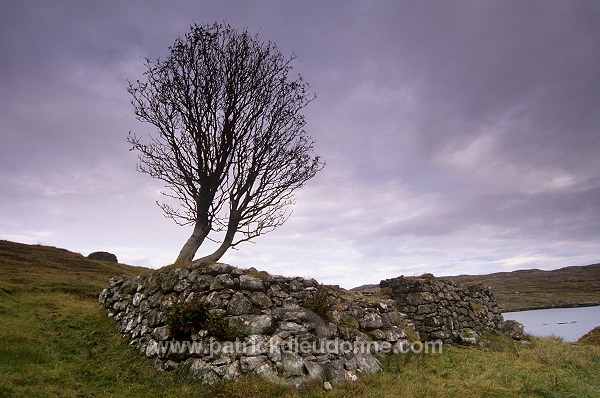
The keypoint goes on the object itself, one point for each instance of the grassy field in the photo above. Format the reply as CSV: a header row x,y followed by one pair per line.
x,y
55,342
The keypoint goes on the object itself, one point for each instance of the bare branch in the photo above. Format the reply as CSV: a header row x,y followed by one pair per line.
x,y
229,143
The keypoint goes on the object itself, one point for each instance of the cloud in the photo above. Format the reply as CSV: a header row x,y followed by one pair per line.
x,y
460,137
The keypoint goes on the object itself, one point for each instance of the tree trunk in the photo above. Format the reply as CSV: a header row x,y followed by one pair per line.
x,y
225,245
188,251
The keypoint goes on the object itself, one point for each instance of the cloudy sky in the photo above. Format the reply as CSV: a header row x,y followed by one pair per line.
x,y
459,136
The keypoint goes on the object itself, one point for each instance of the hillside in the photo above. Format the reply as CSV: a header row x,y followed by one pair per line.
x,y
534,288
56,342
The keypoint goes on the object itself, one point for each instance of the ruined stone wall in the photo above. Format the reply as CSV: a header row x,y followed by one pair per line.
x,y
284,340
442,309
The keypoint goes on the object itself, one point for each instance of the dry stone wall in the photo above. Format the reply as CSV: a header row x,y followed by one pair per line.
x,y
442,309
292,330
284,339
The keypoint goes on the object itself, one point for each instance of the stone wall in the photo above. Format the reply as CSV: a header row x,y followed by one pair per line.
x,y
284,340
442,309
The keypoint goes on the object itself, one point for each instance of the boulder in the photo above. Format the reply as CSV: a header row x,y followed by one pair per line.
x,y
515,330
103,256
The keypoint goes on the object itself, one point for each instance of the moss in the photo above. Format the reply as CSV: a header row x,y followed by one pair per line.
x,y
477,306
258,274
178,264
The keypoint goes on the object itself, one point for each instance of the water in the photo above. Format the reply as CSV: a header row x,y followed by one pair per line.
x,y
568,323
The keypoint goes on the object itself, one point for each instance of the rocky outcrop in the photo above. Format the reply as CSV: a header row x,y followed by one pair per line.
x,y
514,329
442,309
103,256
293,329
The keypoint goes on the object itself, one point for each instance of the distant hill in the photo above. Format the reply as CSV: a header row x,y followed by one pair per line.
x,y
532,288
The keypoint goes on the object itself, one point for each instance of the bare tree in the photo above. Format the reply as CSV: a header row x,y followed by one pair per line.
x,y
230,144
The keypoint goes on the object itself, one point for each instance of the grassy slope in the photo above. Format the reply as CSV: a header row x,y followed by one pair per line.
x,y
528,289
55,342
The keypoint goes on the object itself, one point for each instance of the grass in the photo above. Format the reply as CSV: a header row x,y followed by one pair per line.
x,y
591,338
55,342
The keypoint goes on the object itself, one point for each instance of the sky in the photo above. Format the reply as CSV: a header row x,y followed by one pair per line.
x,y
461,137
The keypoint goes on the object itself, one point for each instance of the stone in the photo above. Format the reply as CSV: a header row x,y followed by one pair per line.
x,y
233,372
251,283
291,327
204,372
223,281
445,334
162,333
351,376
166,365
514,329
367,362
137,299
168,283
168,302
256,345
103,256
103,299
394,334
422,298
202,282
218,269
182,285
371,320
427,309
377,334
292,364
296,285
351,364
152,348
213,300
154,318
335,372
267,372
315,371
199,366
467,337
327,386
261,300
239,305
247,364
253,324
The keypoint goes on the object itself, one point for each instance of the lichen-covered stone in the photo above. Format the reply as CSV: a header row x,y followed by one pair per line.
x,y
514,329
239,305
251,283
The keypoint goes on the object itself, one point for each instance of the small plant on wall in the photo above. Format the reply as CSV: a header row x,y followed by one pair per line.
x,y
186,319
321,302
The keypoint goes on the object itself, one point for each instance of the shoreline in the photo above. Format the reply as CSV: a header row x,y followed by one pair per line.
x,y
548,307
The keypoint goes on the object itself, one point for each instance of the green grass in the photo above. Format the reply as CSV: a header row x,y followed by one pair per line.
x,y
55,342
